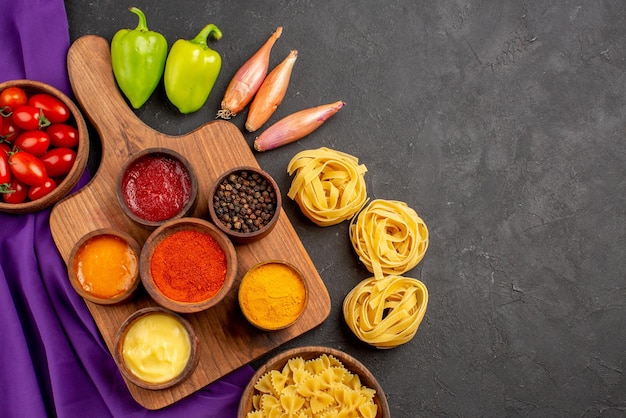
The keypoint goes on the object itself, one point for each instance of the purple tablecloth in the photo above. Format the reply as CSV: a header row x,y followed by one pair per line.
x,y
53,361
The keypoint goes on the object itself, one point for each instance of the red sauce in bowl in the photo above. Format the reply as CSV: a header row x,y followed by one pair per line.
x,y
156,187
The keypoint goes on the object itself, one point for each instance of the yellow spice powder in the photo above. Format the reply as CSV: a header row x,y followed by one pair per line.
x,y
272,295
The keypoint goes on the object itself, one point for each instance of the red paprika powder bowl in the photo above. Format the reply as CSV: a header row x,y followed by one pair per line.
x,y
156,185
156,348
245,204
58,156
103,266
188,265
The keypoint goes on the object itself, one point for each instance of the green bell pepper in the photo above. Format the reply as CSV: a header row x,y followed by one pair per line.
x,y
138,60
191,70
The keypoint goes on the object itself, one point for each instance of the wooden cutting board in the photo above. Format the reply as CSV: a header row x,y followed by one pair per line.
x,y
227,341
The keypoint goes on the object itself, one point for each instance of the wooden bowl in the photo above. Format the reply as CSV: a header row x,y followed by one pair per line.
x,y
189,366
217,197
162,233
308,353
114,292
67,183
138,169
272,294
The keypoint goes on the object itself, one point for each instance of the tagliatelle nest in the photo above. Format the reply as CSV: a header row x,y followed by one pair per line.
x,y
387,312
329,185
389,237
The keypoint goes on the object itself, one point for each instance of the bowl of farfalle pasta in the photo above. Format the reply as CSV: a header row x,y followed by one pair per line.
x,y
313,382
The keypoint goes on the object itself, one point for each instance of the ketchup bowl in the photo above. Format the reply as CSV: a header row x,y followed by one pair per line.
x,y
156,185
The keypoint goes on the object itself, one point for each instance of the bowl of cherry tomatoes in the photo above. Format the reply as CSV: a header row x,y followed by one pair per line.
x,y
44,146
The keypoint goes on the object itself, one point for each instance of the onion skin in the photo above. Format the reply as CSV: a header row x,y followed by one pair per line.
x,y
295,126
248,79
271,93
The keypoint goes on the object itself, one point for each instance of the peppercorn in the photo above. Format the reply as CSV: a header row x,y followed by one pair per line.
x,y
245,202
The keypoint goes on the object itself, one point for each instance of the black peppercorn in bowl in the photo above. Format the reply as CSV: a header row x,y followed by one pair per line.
x,y
245,204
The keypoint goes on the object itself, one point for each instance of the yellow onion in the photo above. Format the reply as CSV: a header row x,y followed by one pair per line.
x,y
247,79
296,126
271,93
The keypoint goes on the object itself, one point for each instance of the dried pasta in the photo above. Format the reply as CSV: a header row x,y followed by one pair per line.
x,y
320,387
386,312
389,237
329,185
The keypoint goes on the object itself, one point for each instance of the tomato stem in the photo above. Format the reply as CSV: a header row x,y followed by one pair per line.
x,y
6,112
43,121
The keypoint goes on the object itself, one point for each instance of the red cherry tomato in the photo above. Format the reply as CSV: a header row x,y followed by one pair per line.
x,y
5,170
33,142
29,118
58,161
13,97
1,122
15,192
9,130
55,110
37,192
63,135
27,168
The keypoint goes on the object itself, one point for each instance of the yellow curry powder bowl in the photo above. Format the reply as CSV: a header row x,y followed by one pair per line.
x,y
273,295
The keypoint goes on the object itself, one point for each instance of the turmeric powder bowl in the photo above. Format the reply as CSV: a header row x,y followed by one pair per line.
x,y
188,265
156,348
103,266
273,295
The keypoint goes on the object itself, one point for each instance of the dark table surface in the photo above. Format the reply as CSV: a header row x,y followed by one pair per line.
x,y
503,124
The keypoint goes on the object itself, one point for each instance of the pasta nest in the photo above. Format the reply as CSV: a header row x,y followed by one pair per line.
x,y
328,185
387,312
389,237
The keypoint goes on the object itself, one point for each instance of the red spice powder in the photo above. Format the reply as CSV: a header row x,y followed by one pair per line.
x,y
188,266
156,187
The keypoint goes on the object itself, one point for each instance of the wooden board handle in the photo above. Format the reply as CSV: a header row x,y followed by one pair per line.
x,y
91,76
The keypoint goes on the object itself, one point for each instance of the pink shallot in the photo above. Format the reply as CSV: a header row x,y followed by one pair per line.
x,y
271,93
247,79
296,126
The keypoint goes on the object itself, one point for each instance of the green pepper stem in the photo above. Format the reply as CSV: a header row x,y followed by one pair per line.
x,y
201,38
142,25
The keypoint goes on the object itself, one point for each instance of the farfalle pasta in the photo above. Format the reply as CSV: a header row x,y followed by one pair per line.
x,y
320,387
328,185
389,237
386,312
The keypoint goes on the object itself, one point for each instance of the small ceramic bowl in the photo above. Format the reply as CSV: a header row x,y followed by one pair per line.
x,y
156,185
245,203
66,183
269,288
188,265
352,365
146,336
103,266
